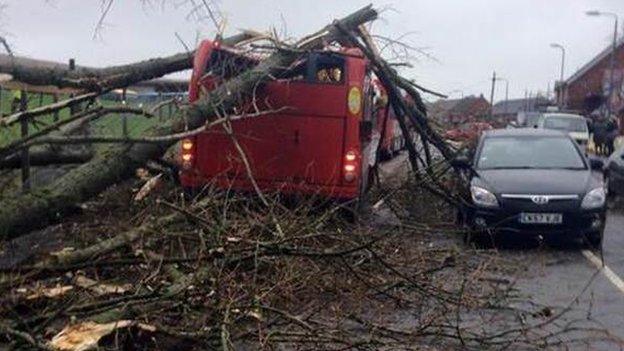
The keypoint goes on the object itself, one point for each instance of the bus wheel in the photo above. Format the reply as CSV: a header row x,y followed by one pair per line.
x,y
190,193
385,154
350,211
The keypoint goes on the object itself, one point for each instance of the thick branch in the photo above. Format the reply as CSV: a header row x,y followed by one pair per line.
x,y
46,158
100,79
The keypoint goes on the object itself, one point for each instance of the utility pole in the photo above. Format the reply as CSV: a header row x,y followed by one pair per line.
x,y
492,96
612,78
506,93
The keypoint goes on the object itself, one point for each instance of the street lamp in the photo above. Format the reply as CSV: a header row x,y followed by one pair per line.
x,y
561,91
615,34
494,80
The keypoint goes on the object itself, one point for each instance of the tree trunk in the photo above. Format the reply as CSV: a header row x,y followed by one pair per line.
x,y
119,162
98,79
46,157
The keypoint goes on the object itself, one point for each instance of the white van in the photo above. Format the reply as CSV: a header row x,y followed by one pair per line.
x,y
574,125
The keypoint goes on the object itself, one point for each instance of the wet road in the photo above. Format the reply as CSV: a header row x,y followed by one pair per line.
x,y
556,276
570,275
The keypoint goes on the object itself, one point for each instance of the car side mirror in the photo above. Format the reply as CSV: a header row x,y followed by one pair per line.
x,y
460,161
596,164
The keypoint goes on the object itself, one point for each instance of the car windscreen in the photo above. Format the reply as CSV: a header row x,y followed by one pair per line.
x,y
566,124
540,152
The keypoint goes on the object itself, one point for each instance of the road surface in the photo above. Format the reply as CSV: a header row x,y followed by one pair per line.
x,y
568,275
557,276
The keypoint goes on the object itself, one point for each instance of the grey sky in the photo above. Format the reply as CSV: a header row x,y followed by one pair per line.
x,y
469,38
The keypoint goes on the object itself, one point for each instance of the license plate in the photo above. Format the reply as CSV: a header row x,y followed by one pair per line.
x,y
541,218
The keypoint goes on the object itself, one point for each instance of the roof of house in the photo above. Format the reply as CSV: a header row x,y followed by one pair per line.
x,y
514,106
589,65
452,106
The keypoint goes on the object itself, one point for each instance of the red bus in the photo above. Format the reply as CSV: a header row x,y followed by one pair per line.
x,y
323,142
391,141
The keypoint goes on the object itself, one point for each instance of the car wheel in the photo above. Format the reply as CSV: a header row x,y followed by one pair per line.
x,y
460,218
479,239
610,187
190,193
607,185
595,239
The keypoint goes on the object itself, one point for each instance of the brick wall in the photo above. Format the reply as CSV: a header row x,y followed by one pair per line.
x,y
588,87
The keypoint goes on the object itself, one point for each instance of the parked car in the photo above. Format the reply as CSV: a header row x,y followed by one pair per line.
x,y
533,182
528,119
575,125
614,173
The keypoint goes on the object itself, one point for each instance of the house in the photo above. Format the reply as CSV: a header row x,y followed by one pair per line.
x,y
459,111
506,111
588,88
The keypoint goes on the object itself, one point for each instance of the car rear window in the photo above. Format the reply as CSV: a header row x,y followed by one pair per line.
x,y
568,124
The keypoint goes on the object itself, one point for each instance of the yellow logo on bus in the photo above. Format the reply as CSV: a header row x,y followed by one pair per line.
x,y
354,100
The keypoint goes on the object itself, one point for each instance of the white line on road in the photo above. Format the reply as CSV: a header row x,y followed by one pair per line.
x,y
596,261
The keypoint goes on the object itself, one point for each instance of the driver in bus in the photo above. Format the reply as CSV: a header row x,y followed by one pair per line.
x,y
323,76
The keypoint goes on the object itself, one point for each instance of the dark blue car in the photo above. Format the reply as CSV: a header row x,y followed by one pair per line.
x,y
530,182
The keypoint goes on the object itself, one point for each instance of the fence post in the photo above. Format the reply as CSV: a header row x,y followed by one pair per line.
x,y
25,154
73,109
160,112
55,116
124,120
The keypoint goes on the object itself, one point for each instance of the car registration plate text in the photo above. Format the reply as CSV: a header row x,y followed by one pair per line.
x,y
541,218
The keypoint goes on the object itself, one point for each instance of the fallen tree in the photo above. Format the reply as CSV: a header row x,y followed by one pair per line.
x,y
240,272
47,157
102,79
213,275
37,208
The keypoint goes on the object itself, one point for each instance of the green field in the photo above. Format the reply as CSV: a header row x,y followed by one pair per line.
x,y
110,125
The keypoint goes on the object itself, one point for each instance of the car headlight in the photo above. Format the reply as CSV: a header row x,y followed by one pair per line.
x,y
594,199
483,197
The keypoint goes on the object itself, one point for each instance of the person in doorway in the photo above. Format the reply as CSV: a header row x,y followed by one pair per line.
x,y
599,132
612,131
